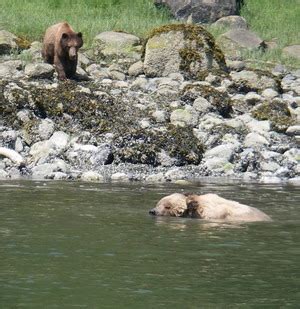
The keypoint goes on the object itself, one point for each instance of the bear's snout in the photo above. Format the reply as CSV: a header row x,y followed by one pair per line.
x,y
72,53
152,212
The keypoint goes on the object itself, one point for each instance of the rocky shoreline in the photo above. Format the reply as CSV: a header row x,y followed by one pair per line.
x,y
128,119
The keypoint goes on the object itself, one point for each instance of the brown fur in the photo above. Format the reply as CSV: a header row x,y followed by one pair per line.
x,y
207,207
60,47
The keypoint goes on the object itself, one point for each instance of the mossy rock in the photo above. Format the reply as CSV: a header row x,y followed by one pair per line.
x,y
143,146
253,80
220,101
188,49
277,112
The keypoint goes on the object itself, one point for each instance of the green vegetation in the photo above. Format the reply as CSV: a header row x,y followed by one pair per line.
x,y
275,21
272,20
30,18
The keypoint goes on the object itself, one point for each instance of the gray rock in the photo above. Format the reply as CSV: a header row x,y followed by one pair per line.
x,y
201,105
235,41
252,98
160,116
222,151
45,170
269,166
232,22
34,52
139,83
201,11
293,130
184,117
120,177
171,49
255,140
57,176
46,128
19,145
174,174
292,51
165,160
39,70
60,140
136,69
155,178
91,176
261,127
7,42
269,93
219,165
3,174
253,81
40,151
11,69
115,45
115,75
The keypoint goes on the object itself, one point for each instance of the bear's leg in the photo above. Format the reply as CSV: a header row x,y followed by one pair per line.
x,y
59,68
48,53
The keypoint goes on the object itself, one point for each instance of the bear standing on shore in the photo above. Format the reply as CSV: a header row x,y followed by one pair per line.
x,y
60,47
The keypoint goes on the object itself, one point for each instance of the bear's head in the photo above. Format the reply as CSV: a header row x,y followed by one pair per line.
x,y
70,43
173,205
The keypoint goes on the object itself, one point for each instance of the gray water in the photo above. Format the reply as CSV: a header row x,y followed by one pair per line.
x,y
66,245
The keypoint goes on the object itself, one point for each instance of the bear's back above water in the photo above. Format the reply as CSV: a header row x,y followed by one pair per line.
x,y
60,47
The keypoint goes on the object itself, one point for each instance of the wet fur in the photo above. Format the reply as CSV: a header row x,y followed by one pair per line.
x,y
207,207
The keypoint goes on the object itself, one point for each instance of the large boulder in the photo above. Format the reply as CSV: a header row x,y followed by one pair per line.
x,y
188,49
235,41
9,42
115,45
200,11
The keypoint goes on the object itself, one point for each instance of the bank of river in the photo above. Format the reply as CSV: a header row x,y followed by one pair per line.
x,y
91,245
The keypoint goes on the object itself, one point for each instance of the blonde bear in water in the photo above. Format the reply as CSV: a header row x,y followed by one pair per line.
x,y
208,207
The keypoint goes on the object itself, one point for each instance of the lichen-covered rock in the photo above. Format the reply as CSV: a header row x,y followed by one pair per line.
x,y
188,49
277,112
11,69
114,45
220,102
235,41
7,42
254,80
232,22
39,70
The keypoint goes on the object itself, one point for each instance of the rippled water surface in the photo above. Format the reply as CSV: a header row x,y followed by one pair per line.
x,y
66,245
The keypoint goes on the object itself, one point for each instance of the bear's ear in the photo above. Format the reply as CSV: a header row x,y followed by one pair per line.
x,y
65,36
79,34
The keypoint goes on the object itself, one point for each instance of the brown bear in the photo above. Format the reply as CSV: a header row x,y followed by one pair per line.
x,y
60,47
208,207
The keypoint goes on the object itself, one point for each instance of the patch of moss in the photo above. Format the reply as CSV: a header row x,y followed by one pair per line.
x,y
276,112
221,102
23,43
143,146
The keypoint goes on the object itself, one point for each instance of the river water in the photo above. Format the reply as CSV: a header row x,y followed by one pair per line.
x,y
82,245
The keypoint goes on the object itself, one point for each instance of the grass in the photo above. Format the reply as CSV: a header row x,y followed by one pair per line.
x,y
272,20
277,20
30,18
